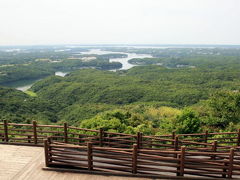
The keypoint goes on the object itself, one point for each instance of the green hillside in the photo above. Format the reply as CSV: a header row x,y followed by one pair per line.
x,y
151,99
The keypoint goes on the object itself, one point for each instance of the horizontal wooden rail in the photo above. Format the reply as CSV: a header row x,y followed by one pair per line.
x,y
140,161
201,154
35,133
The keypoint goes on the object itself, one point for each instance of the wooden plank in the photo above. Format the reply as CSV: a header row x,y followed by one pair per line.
x,y
182,158
26,163
65,132
139,140
90,157
101,135
34,124
176,143
46,150
134,159
5,130
231,157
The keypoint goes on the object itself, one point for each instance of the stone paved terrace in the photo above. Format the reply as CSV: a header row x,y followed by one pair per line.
x,y
26,163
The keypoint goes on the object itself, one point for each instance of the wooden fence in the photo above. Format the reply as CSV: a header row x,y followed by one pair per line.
x,y
34,134
141,162
202,154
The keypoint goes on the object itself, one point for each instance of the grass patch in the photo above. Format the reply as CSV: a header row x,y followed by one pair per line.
x,y
30,93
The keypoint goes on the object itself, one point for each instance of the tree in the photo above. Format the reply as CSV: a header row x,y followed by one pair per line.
x,y
118,121
187,122
225,108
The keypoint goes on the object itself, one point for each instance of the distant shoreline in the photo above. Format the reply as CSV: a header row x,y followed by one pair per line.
x,y
128,45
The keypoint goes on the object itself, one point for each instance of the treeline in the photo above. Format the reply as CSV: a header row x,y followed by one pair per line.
x,y
206,62
221,112
181,87
180,52
30,68
16,73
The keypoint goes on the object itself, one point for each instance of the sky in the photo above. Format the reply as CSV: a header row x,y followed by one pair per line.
x,y
43,22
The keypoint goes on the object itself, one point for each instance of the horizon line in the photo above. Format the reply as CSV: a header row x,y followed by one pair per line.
x,y
116,44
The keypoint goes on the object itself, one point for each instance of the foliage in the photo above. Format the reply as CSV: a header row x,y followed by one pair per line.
x,y
118,121
30,93
225,108
187,90
187,122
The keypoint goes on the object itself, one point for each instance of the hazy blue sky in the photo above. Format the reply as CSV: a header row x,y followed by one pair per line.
x,y
119,21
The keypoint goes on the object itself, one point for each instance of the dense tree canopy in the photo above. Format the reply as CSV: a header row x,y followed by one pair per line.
x,y
180,90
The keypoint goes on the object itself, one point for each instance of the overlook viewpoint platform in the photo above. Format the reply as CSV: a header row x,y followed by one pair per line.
x,y
67,152
26,163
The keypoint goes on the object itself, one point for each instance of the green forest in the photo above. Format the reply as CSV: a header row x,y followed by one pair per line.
x,y
177,91
37,65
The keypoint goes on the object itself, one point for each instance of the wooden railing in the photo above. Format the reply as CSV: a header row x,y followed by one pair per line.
x,y
141,162
202,154
34,134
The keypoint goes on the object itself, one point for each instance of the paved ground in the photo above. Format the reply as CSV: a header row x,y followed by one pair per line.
x,y
25,163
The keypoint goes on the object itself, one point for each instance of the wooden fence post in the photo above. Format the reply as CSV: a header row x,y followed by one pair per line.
x,y
139,140
79,141
134,159
224,171
108,140
46,149
173,136
206,137
175,145
90,158
5,124
231,159
179,162
214,149
101,134
238,140
49,140
182,159
34,124
65,127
